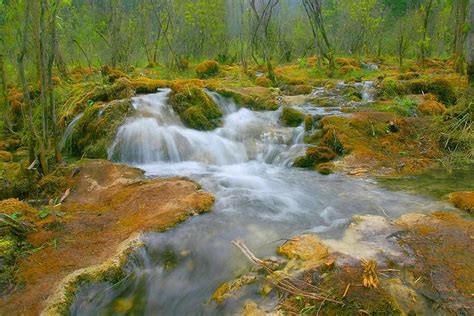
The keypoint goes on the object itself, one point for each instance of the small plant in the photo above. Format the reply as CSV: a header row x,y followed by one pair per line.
x,y
43,213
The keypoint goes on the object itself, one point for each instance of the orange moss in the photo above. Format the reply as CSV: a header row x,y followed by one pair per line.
x,y
5,156
312,61
445,257
207,69
347,69
263,82
12,206
463,200
431,108
380,141
347,62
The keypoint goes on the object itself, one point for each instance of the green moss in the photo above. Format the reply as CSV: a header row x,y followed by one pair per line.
x,y
96,129
195,108
195,118
390,87
308,123
402,106
291,117
296,89
252,102
315,155
325,168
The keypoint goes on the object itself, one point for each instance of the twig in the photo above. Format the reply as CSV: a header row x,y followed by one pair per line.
x,y
346,290
285,284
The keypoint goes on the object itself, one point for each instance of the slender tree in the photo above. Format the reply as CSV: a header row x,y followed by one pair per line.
x,y
470,49
263,11
424,40
50,85
33,139
460,11
314,11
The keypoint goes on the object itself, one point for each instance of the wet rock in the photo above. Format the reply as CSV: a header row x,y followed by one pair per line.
x,y
366,238
325,168
307,249
230,288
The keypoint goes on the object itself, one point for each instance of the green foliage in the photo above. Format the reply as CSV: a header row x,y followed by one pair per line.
x,y
401,106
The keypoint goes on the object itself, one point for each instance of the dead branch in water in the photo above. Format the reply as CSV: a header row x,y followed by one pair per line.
x,y
284,284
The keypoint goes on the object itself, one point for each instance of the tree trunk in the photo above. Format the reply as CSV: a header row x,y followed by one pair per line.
x,y
470,49
460,8
4,82
43,70
426,19
52,101
33,137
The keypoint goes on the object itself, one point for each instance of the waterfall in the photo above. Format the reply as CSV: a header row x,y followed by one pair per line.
x,y
69,130
155,134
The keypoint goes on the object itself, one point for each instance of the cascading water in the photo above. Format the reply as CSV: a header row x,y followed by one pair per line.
x,y
258,199
69,130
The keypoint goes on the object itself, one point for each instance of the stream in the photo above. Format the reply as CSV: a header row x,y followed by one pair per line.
x,y
260,199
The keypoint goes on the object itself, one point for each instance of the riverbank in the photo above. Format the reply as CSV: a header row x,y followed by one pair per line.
x,y
107,204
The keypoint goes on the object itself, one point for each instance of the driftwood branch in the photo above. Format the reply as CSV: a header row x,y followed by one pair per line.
x,y
285,284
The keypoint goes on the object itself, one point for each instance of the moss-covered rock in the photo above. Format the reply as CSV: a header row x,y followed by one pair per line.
x,y
390,87
315,155
308,123
263,82
253,102
291,117
325,168
341,61
96,129
207,69
195,108
463,200
296,89
194,117
431,107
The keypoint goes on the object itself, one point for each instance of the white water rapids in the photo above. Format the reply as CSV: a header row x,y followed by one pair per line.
x,y
259,199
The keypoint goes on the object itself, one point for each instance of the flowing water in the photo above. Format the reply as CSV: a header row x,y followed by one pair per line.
x,y
259,199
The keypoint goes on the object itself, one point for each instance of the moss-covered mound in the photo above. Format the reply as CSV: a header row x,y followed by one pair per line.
x,y
291,117
296,89
442,88
315,155
263,82
195,108
253,101
207,69
122,88
96,129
